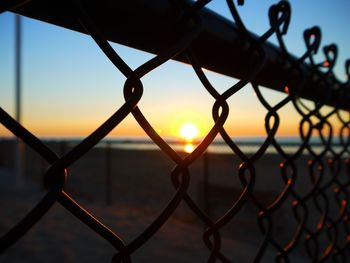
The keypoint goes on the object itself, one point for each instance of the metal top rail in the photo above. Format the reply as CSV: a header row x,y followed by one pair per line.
x,y
153,25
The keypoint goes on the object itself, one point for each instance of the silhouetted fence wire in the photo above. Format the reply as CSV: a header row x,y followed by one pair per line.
x,y
320,213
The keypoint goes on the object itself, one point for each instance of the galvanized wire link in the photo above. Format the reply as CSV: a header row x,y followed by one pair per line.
x,y
327,197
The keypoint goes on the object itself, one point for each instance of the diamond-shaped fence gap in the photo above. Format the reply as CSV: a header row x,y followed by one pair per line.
x,y
269,183
176,234
337,151
218,186
127,129
12,200
134,57
88,183
45,69
136,176
219,81
245,231
343,115
285,225
239,123
69,119
176,95
69,241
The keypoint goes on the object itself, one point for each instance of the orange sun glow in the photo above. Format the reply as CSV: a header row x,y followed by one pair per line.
x,y
189,131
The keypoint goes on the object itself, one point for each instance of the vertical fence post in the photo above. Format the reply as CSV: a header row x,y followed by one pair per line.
x,y
206,182
18,161
18,145
63,146
108,174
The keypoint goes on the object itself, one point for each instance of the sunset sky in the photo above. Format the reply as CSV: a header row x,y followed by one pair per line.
x,y
70,87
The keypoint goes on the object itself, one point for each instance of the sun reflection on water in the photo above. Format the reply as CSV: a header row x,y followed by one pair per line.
x,y
188,148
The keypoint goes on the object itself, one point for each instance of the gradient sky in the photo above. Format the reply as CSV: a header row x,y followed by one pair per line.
x,y
70,87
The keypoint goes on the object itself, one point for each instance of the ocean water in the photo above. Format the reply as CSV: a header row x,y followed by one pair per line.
x,y
248,145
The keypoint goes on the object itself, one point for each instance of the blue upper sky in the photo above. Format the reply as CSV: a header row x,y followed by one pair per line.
x,y
69,86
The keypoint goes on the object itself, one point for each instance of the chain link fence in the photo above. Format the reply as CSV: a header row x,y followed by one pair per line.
x,y
319,208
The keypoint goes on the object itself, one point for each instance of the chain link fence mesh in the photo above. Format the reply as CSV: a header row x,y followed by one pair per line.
x,y
318,208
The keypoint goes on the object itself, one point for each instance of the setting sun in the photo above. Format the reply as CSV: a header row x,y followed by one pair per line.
x,y
189,131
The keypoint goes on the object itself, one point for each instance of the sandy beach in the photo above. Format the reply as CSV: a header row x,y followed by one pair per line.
x,y
140,188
